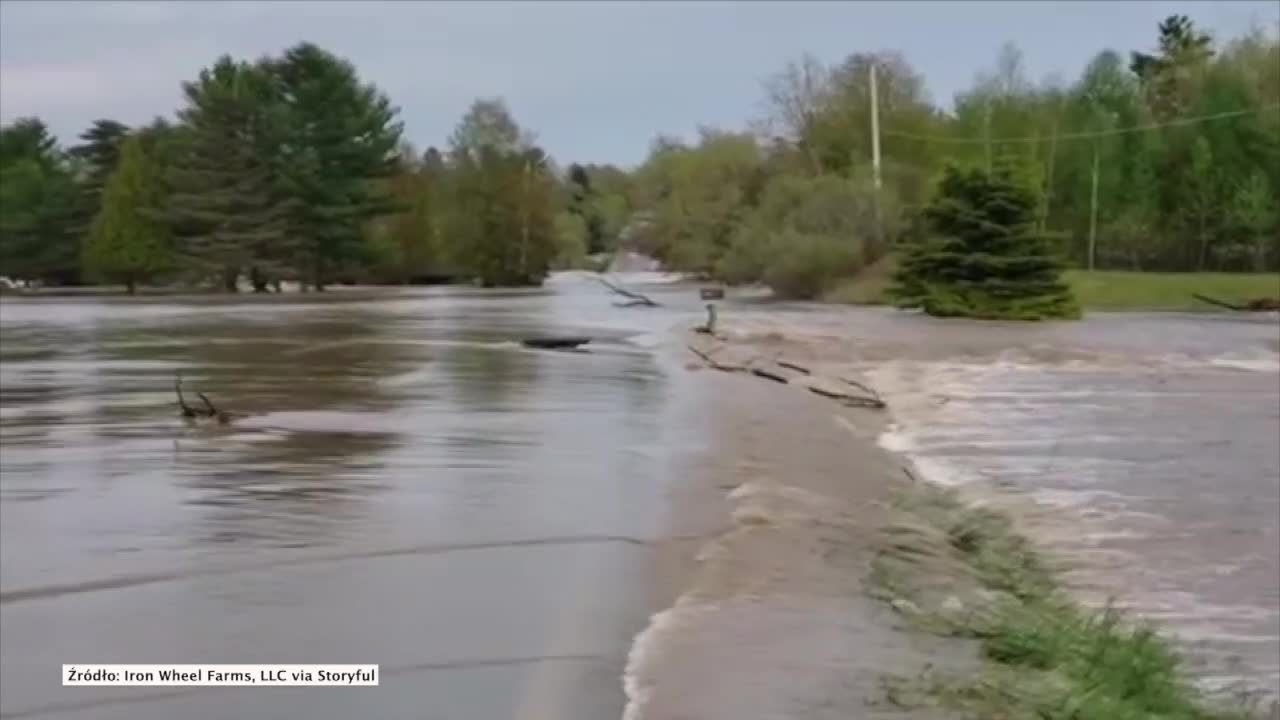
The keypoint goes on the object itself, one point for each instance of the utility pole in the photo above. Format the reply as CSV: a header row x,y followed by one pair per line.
x,y
1093,208
875,156
1048,183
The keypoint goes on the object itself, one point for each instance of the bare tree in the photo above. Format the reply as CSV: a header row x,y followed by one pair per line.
x,y
796,97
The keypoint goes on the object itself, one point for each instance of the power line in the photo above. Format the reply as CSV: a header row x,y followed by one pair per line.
x,y
1082,135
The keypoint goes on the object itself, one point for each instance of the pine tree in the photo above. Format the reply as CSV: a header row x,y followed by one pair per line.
x,y
226,207
983,257
343,138
126,242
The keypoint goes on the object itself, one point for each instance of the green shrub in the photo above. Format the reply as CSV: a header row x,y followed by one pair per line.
x,y
806,266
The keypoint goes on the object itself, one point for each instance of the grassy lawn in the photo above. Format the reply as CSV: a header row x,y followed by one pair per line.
x,y
1102,289
867,287
1117,290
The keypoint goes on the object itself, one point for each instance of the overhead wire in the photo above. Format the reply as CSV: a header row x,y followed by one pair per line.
x,y
1083,135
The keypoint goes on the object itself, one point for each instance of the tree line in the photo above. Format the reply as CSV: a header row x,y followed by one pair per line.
x,y
1167,159
289,168
292,168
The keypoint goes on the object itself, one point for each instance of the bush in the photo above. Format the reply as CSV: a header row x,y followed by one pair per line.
x,y
805,266
570,241
806,234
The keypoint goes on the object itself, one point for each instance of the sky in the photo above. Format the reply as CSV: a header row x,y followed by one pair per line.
x,y
594,81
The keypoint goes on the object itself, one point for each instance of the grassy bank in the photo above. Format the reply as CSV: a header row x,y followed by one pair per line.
x,y
1103,289
1116,290
965,572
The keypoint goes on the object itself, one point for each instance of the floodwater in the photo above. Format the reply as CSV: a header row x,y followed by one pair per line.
x,y
404,485
1142,448
407,486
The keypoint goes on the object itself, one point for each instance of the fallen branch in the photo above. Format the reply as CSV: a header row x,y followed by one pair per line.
x,y
1255,305
212,410
792,366
874,402
187,410
638,299
769,375
209,410
1219,303
848,400
875,395
710,361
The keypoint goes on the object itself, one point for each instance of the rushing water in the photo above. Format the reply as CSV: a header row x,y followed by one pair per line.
x,y
406,486
1150,443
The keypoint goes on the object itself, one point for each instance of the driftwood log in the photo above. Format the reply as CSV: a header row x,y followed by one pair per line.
x,y
1255,305
634,298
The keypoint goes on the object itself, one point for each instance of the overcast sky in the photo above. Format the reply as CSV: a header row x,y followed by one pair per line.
x,y
594,81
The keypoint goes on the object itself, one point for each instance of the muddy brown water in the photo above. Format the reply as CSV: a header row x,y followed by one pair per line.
x,y
407,486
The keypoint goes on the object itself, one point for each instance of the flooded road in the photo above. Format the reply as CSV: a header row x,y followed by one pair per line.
x,y
405,485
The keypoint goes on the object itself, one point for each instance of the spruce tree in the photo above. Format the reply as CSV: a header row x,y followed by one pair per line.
x,y
126,242
982,256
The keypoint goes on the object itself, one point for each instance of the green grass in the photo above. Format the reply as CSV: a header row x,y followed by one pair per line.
x,y
1117,290
865,288
1042,655
1101,290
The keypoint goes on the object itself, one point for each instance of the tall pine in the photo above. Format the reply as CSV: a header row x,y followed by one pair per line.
x,y
982,256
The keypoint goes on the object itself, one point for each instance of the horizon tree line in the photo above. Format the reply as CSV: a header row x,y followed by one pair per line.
x,y
293,168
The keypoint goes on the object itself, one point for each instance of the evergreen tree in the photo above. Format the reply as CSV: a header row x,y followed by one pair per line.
x,y
38,220
226,205
343,137
126,242
983,257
